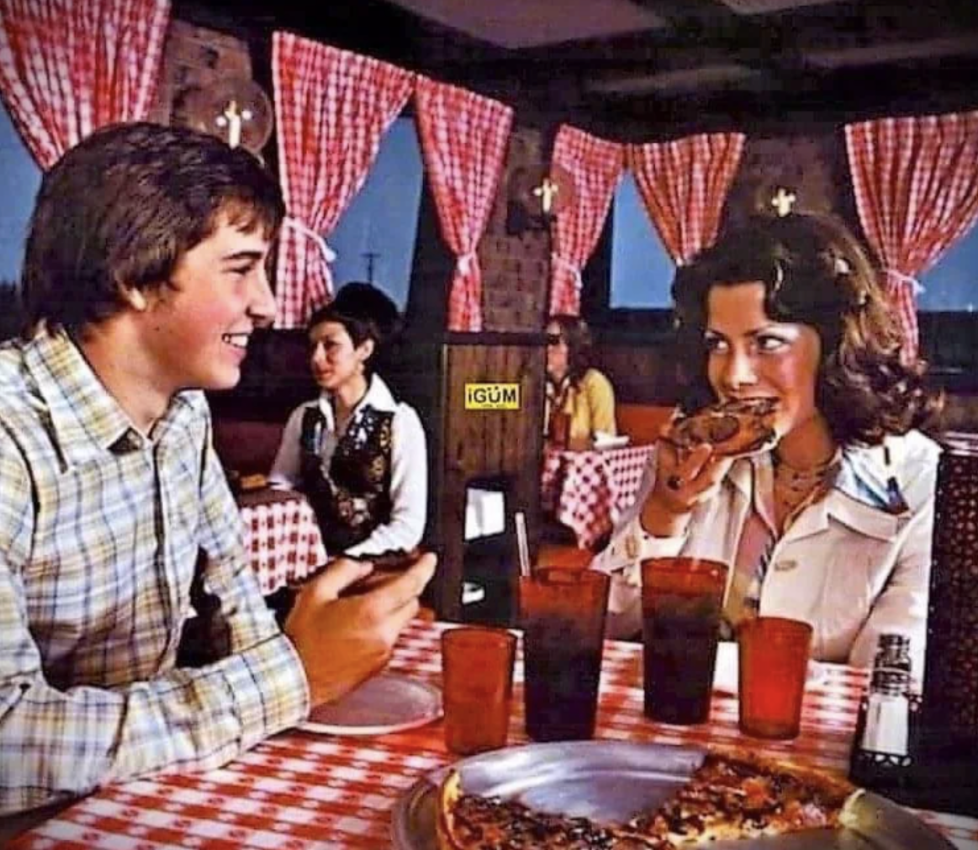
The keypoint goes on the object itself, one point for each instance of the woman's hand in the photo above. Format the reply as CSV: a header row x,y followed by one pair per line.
x,y
683,480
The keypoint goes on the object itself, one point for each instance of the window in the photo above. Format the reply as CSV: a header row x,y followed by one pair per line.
x,y
641,269
20,178
374,238
952,283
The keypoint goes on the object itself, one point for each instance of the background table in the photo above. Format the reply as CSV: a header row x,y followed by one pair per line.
x,y
281,536
588,490
300,790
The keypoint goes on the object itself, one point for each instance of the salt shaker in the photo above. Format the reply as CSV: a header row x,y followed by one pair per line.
x,y
882,754
888,704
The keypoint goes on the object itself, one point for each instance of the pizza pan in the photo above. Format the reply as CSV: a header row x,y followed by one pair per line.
x,y
611,781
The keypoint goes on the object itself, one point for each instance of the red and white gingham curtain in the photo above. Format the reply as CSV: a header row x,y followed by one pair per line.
x,y
68,67
916,186
332,107
463,141
596,166
684,185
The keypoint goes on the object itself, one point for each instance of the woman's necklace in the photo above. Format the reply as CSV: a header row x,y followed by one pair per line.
x,y
796,488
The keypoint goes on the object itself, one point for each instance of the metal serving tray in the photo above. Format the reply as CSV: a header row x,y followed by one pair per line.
x,y
611,781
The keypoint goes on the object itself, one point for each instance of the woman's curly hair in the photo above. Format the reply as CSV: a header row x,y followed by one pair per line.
x,y
814,272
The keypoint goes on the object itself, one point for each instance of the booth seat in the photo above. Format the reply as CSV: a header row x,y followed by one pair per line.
x,y
563,555
246,446
642,422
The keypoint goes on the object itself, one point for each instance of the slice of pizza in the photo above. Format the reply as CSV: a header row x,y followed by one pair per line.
x,y
737,428
737,795
472,822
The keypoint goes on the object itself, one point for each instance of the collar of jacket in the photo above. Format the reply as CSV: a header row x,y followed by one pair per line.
x,y
859,497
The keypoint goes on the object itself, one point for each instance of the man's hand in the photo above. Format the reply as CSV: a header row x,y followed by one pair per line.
x,y
343,641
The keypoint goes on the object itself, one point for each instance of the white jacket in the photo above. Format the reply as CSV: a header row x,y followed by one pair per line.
x,y
845,565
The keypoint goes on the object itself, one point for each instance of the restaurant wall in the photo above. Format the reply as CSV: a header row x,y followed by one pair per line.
x,y
193,57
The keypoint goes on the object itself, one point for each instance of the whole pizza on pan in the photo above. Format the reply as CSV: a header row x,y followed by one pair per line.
x,y
732,795
735,428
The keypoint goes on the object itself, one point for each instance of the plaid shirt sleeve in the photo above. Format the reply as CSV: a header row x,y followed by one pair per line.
x,y
269,684
59,742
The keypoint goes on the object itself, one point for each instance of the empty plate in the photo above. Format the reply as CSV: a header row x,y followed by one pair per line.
x,y
390,702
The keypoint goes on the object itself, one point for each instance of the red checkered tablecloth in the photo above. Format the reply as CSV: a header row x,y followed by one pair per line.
x,y
281,536
588,490
300,790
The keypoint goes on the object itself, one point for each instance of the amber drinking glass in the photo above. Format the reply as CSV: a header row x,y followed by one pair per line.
x,y
682,599
563,617
774,654
477,685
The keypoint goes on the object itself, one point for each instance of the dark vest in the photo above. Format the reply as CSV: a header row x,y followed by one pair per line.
x,y
354,497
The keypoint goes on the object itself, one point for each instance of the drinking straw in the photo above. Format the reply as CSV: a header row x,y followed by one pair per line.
x,y
523,548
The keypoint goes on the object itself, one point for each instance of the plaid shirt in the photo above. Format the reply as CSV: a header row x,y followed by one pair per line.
x,y
100,531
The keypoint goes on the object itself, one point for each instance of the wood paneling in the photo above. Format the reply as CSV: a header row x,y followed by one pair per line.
x,y
486,443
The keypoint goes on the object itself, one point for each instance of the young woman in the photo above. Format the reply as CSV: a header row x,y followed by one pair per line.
x,y
358,454
576,393
833,526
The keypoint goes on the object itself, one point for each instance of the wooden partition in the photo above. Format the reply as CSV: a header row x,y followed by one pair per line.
x,y
485,443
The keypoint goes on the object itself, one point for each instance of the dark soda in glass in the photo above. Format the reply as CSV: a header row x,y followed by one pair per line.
x,y
682,599
563,617
561,683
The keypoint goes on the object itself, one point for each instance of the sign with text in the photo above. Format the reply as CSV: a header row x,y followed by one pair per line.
x,y
492,396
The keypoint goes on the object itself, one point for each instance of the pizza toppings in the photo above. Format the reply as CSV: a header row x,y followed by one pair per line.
x,y
471,822
743,796
730,796
737,428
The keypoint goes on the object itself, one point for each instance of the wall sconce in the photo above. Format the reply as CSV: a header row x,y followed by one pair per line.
x,y
235,109
535,195
783,199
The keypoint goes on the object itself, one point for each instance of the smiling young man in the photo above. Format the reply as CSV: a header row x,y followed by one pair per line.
x,y
833,524
144,277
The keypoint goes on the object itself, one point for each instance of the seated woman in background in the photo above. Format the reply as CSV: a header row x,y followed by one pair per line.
x,y
575,390
358,454
832,526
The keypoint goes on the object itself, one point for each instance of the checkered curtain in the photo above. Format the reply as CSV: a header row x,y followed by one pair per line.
x,y
596,166
684,185
332,107
916,186
68,67
463,141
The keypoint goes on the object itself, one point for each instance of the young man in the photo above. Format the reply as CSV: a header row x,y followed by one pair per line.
x,y
144,276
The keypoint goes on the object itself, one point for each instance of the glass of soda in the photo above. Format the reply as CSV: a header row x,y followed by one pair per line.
x,y
682,599
563,616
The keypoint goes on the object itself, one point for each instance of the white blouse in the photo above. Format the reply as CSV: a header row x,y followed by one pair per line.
x,y
409,466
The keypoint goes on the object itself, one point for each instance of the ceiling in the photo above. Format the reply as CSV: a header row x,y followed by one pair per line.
x,y
657,67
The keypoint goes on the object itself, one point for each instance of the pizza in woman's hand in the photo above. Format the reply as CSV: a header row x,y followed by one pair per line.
x,y
732,795
737,428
